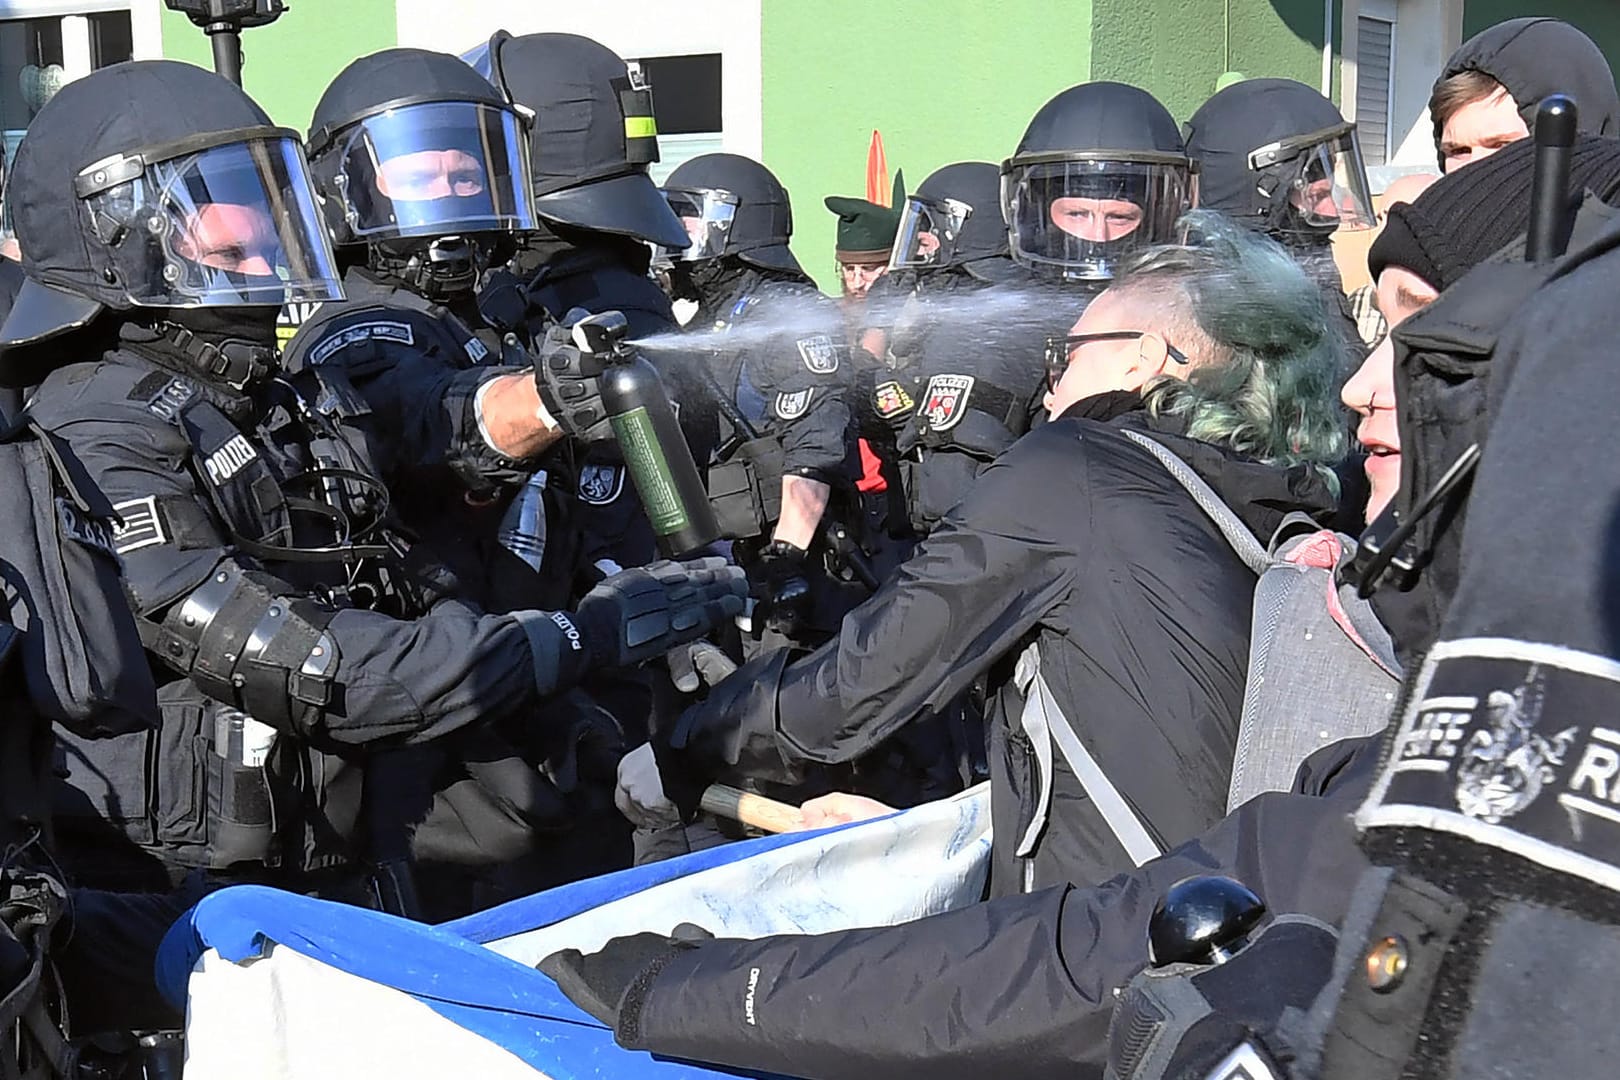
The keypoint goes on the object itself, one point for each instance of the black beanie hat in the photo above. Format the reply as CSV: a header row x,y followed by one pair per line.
x,y
1469,215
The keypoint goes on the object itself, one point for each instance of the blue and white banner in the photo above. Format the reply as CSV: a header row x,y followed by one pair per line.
x,y
282,986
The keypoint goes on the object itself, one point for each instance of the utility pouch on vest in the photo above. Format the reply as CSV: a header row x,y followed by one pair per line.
x,y
241,800
746,489
62,588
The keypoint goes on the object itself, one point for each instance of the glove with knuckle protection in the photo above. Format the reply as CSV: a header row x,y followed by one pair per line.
x,y
639,614
568,380
781,584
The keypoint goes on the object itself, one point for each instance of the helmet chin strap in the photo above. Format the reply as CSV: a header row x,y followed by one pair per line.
x,y
442,269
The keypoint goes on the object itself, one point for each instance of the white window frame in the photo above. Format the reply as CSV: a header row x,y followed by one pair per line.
x,y
145,24
1384,13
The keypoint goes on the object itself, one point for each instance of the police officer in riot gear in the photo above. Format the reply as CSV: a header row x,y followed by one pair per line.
x,y
1278,157
296,629
421,167
591,143
785,390
1101,171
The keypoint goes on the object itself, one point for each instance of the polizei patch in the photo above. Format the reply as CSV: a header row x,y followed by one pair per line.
x,y
229,459
397,332
600,484
945,400
819,353
1514,745
794,405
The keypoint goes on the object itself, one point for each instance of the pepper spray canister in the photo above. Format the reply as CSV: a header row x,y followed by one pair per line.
x,y
650,439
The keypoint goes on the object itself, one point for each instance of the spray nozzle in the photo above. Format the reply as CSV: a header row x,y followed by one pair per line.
x,y
602,334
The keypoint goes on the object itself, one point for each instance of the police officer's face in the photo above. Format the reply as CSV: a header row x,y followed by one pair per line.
x,y
229,236
1371,390
1100,365
1097,220
1315,200
1479,129
431,174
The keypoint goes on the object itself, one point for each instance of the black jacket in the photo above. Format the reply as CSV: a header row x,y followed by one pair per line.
x,y
197,474
1020,986
1076,539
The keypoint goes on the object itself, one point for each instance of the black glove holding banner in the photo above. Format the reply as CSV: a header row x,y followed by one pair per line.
x,y
637,615
566,374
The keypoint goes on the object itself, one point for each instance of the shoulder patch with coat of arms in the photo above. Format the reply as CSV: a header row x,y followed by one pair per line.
x,y
890,399
819,353
794,405
600,485
945,400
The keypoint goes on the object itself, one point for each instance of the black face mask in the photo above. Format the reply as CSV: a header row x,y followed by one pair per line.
x,y
231,345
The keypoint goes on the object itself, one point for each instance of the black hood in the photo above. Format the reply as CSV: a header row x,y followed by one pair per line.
x,y
977,183
1535,57
1240,119
1261,495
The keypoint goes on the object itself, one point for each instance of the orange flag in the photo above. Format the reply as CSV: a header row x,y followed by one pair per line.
x,y
877,172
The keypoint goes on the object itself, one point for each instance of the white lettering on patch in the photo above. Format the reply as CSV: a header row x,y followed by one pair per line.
x,y
397,332
229,459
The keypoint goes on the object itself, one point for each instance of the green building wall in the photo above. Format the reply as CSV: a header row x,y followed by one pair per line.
x,y
1600,19
943,80
1178,50
288,64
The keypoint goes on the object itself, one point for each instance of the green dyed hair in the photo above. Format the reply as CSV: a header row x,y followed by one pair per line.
x,y
1267,362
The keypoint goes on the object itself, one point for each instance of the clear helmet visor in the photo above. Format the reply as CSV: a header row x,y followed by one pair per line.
x,y
929,231
227,225
441,168
1081,218
707,215
1328,188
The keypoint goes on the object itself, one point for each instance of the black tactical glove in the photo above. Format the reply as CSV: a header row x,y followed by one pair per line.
x,y
780,583
566,377
602,982
636,615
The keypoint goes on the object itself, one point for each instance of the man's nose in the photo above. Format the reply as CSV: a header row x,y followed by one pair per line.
x,y
255,264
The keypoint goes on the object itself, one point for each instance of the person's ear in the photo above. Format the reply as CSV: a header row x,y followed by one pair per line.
x,y
1152,359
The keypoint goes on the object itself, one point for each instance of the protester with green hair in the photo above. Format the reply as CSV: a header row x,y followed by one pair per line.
x,y
1215,361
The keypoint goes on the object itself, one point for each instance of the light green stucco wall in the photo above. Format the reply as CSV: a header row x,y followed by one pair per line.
x,y
1600,19
943,80
287,65
1179,48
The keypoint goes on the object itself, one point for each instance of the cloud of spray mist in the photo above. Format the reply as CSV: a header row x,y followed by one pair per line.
x,y
982,315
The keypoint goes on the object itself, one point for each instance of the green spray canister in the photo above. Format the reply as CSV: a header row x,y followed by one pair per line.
x,y
650,439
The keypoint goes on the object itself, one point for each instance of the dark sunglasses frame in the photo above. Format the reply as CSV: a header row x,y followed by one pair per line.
x,y
1059,348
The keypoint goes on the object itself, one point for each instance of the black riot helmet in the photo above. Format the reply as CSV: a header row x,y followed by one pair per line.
x,y
953,218
1101,171
732,205
418,157
158,185
593,136
1278,157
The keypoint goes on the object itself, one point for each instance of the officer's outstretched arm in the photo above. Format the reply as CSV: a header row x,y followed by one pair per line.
x,y
250,638
804,501
513,419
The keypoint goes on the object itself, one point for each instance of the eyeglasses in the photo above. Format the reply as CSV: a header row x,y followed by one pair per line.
x,y
862,271
1060,350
